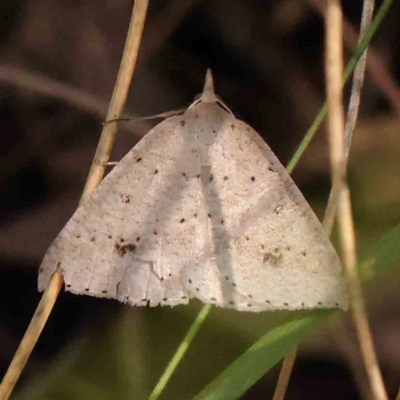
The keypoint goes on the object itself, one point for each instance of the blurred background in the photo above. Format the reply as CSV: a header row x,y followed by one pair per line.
x,y
58,65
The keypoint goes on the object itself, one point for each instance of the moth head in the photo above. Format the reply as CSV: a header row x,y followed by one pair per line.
x,y
208,95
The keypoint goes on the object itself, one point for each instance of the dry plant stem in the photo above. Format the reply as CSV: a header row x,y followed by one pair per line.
x,y
95,175
357,305
334,73
284,376
353,111
376,66
118,100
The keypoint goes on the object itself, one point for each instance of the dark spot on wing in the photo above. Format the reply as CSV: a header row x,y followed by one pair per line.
x,y
68,285
214,131
213,299
87,289
184,174
184,297
211,178
209,215
182,220
226,178
271,169
155,232
190,281
227,277
109,236
104,291
286,304
126,198
233,126
197,289
253,179
156,172
272,259
92,239
278,209
164,299
304,253
247,238
222,221
231,302
183,123
267,301
125,248
138,239
139,159
78,236
195,215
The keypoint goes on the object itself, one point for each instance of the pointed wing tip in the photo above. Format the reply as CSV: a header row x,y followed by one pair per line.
x,y
208,94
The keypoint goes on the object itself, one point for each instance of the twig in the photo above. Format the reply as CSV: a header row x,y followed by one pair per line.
x,y
353,110
284,376
95,175
376,66
358,79
333,67
380,15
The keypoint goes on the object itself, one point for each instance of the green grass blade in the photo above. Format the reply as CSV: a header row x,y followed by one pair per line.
x,y
262,356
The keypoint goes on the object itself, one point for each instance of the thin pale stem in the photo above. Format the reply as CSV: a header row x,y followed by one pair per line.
x,y
180,352
333,68
353,111
95,175
284,376
331,208
380,15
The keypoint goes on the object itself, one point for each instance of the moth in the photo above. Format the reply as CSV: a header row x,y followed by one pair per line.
x,y
199,208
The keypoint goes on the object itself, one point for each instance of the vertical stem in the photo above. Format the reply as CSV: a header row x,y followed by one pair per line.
x,y
284,376
96,173
334,73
